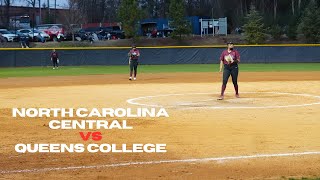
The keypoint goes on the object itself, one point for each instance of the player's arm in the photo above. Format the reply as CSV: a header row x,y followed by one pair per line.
x,y
221,61
237,57
51,56
129,55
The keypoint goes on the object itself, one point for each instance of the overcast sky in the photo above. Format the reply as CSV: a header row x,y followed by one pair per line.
x,y
60,3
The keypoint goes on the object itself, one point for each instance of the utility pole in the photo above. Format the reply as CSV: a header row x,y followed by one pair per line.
x,y
212,12
55,11
40,16
1,12
48,4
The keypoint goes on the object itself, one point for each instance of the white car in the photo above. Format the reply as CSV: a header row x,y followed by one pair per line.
x,y
8,36
34,33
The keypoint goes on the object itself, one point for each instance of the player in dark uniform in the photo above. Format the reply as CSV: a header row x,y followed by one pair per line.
x,y
55,59
229,60
134,55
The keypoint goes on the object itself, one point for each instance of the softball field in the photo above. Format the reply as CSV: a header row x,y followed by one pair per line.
x,y
271,132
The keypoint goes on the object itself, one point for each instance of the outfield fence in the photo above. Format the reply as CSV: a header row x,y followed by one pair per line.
x,y
16,57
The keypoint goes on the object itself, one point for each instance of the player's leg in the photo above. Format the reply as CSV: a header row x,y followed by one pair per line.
x,y
135,68
54,63
225,78
131,69
23,44
234,75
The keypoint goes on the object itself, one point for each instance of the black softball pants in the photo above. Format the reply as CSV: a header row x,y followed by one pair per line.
x,y
133,67
232,70
55,62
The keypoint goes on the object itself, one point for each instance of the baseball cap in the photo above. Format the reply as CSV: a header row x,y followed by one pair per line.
x,y
230,42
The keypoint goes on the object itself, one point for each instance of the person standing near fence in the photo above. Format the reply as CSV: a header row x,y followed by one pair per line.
x,y
23,40
134,55
55,59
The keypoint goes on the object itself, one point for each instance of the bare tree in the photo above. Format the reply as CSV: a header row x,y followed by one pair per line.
x,y
107,10
73,17
292,6
275,6
32,3
111,10
7,4
241,8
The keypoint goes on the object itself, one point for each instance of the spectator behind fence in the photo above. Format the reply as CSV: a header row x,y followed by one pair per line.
x,y
95,37
154,33
23,41
101,35
41,39
2,39
90,37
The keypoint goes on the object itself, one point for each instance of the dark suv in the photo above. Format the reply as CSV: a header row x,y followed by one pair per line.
x,y
102,32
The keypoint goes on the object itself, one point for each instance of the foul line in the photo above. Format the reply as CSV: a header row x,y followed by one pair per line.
x,y
133,101
159,162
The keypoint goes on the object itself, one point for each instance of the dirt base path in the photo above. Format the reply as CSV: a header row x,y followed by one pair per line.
x,y
154,78
199,127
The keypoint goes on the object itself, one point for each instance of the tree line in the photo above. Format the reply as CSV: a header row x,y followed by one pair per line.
x,y
274,11
277,16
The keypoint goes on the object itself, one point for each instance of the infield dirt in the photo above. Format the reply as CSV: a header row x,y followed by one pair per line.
x,y
189,133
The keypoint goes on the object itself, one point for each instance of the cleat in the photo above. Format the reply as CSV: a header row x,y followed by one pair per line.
x,y
53,68
130,78
134,79
221,98
237,96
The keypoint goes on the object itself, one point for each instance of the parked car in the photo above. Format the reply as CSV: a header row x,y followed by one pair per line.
x,y
55,31
34,34
68,36
20,35
73,30
16,33
164,33
12,31
40,36
117,32
8,36
84,34
102,32
23,39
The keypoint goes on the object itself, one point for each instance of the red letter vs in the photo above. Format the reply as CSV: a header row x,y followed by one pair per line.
x,y
96,136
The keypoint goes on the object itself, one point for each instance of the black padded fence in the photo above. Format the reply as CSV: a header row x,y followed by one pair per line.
x,y
161,55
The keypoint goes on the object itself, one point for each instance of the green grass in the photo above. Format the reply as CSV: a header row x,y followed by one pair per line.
x,y
93,70
305,178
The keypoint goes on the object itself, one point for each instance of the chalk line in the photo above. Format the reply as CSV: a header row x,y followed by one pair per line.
x,y
160,162
133,101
